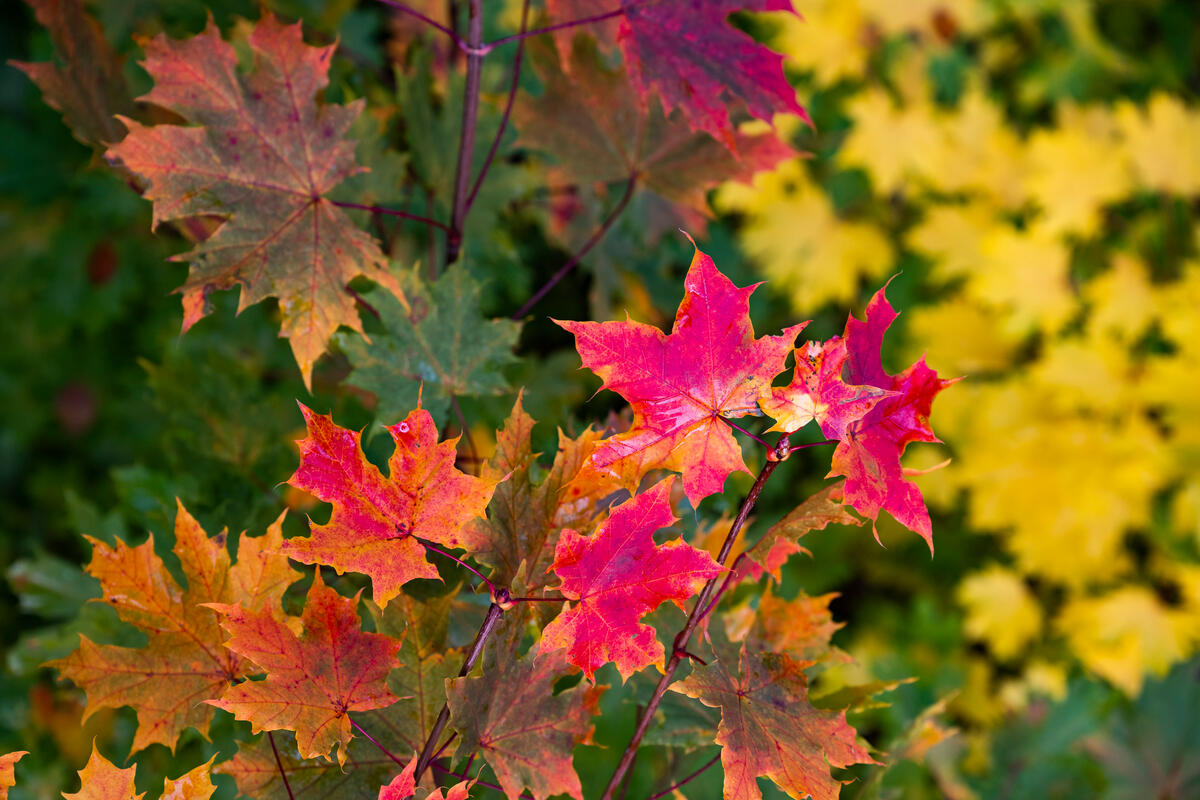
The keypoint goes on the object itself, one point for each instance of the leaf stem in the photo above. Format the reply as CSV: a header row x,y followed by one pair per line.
x,y
558,26
538,599
412,12
485,630
466,775
466,142
583,251
279,763
375,742
512,96
461,563
391,212
735,426
688,779
701,607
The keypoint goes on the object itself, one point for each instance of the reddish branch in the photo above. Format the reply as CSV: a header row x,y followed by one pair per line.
x,y
485,630
630,185
701,608
689,778
512,96
466,142
279,763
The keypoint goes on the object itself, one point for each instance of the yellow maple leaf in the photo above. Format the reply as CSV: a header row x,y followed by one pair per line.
x,y
1000,610
1157,137
828,39
1126,633
804,248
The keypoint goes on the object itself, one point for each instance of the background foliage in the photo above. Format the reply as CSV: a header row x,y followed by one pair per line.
x,y
1030,167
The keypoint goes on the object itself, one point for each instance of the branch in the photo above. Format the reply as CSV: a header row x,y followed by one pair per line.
x,y
466,142
512,96
391,212
695,774
279,763
583,251
375,742
679,648
485,630
575,23
412,12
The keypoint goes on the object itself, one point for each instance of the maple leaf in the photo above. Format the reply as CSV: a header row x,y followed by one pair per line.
x,y
817,392
586,118
869,452
526,733
768,726
696,62
262,155
436,346
100,779
783,538
617,576
312,680
404,786
377,520
426,663
681,384
526,514
257,765
89,88
184,661
7,773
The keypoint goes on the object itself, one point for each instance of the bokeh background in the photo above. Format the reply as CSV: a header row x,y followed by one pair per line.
x,y
1029,168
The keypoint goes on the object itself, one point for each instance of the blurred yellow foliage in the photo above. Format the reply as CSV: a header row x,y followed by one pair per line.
x,y
1043,229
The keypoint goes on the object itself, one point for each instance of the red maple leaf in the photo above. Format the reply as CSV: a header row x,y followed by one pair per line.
x,y
687,51
870,450
313,680
681,384
699,63
617,576
377,520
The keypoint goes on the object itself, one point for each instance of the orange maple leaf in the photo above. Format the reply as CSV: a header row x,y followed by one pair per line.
x,y
184,662
7,773
377,520
312,680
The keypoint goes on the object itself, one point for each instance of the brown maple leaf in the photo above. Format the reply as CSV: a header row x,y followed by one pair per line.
x,y
184,661
768,726
262,155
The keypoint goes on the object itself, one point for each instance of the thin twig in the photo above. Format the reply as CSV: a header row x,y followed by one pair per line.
x,y
558,26
679,647
695,774
512,96
358,298
485,630
412,12
391,212
375,742
583,251
461,563
466,141
472,453
279,763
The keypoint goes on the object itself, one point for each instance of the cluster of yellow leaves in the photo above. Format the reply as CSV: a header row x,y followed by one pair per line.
x,y
1082,411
